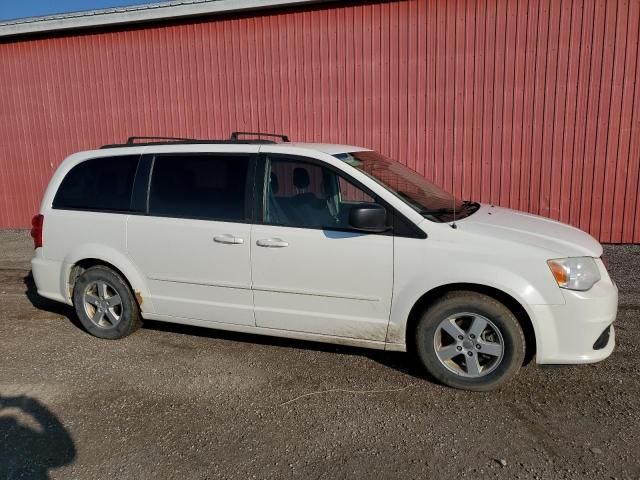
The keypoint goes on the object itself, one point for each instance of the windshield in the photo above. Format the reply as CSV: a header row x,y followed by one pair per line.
x,y
419,193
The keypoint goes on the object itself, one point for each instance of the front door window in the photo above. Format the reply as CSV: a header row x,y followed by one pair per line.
x,y
306,195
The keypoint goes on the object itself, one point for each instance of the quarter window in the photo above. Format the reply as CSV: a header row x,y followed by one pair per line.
x,y
102,184
303,194
200,186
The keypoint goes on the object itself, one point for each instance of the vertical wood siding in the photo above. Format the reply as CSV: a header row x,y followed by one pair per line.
x,y
530,104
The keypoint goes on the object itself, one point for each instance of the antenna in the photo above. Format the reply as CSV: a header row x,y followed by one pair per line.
x,y
453,224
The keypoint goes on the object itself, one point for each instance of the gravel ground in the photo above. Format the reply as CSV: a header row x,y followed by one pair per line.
x,y
189,403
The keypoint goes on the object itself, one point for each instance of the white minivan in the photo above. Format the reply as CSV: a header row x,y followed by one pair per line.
x,y
322,242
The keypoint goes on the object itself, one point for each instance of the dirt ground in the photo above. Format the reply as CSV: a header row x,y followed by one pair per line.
x,y
190,403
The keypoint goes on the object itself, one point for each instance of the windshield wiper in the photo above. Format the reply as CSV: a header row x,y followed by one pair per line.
x,y
466,205
435,211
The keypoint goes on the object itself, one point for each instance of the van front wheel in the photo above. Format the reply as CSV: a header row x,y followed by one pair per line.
x,y
470,341
104,304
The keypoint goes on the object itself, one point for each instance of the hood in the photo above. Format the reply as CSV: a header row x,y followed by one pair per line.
x,y
524,228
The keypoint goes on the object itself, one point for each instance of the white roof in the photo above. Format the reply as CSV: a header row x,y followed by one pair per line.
x,y
175,9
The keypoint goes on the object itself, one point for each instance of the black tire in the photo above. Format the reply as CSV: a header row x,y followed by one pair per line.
x,y
126,312
499,370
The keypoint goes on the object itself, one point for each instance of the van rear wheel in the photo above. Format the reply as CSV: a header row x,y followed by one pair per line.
x,y
470,341
105,304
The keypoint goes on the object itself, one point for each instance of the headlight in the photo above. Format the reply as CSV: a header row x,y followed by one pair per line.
x,y
576,273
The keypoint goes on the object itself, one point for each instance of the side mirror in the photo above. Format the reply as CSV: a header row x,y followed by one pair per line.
x,y
368,217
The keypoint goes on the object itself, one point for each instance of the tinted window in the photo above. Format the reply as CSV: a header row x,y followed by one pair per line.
x,y
302,194
199,186
99,184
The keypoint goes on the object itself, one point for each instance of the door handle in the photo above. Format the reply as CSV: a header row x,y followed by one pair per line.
x,y
228,239
272,243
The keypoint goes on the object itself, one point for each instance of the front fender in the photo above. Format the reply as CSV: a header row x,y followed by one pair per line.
x,y
409,289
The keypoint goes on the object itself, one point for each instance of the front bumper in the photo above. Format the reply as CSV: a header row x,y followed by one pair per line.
x,y
573,333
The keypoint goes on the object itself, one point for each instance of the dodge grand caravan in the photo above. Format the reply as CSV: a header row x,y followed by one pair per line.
x,y
331,243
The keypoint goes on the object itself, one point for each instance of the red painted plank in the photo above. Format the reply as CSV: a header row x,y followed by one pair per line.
x,y
459,98
411,69
614,120
627,183
403,20
592,116
467,126
516,149
582,104
631,230
547,130
604,115
367,57
385,77
537,160
568,165
489,75
478,100
421,130
440,94
430,140
507,121
449,94
498,102
563,39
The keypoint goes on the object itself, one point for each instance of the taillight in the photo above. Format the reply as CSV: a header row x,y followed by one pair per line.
x,y
36,230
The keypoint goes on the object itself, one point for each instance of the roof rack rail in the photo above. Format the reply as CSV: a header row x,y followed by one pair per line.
x,y
133,141
234,135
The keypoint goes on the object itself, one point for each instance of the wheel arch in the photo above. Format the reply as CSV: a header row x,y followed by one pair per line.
x,y
112,259
516,307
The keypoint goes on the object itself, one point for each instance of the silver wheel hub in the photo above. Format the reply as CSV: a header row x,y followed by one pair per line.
x,y
102,304
469,345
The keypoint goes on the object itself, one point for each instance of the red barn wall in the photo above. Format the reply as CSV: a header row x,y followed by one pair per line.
x,y
530,104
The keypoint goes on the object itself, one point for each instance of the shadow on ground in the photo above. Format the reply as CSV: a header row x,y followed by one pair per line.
x,y
32,439
47,305
403,362
400,361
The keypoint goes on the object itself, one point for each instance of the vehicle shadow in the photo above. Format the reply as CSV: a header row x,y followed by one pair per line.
x,y
27,452
403,362
41,303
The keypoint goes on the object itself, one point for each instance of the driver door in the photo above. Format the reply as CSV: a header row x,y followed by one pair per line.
x,y
311,272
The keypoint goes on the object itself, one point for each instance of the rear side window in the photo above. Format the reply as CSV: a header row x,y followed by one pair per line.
x,y
211,187
102,184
